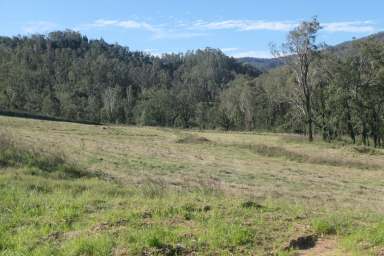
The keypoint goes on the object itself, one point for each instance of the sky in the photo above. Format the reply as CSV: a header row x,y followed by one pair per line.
x,y
238,27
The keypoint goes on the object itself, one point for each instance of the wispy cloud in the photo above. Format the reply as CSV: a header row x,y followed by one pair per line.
x,y
39,27
185,30
158,31
350,26
127,24
253,25
245,25
154,52
230,49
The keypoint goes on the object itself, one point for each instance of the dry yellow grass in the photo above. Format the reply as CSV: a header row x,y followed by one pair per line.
x,y
323,174
321,178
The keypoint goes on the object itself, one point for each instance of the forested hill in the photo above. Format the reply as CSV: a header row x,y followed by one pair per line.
x,y
263,64
66,75
345,48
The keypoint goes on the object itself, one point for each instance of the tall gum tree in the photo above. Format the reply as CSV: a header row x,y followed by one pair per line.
x,y
300,50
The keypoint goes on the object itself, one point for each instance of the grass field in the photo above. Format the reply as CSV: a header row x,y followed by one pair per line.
x,y
73,189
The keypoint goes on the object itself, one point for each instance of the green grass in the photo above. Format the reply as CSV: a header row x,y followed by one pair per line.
x,y
69,189
89,216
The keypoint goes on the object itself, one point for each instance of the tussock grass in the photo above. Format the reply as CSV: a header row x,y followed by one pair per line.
x,y
276,151
96,217
54,164
334,224
191,138
367,240
141,192
153,188
92,216
368,150
294,138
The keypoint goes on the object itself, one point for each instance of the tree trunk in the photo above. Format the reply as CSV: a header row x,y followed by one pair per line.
x,y
364,134
310,129
350,128
349,122
309,116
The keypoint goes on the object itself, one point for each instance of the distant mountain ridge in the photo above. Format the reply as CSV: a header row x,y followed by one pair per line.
x,y
262,64
265,64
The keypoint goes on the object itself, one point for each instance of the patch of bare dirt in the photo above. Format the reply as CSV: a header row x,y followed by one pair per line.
x,y
105,226
380,252
167,250
120,252
323,247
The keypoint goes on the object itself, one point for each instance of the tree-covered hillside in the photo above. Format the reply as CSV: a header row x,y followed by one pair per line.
x,y
332,93
263,64
63,74
345,48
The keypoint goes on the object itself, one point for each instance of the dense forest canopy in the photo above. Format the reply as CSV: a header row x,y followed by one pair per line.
x,y
64,74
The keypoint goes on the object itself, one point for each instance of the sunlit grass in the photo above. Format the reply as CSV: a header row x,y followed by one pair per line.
x,y
70,189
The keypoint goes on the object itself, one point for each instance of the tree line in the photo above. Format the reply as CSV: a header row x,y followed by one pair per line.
x,y
337,94
318,92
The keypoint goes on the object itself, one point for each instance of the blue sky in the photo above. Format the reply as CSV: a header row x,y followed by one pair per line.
x,y
239,28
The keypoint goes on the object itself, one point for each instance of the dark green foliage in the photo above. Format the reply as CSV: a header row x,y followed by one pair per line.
x,y
349,95
65,75
262,63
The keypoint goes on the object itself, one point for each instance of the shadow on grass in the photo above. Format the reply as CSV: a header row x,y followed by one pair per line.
x,y
39,163
276,151
192,139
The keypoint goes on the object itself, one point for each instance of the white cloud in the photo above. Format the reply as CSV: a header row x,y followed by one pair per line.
x,y
246,25
154,52
178,29
39,27
253,25
231,49
350,26
158,31
103,23
126,24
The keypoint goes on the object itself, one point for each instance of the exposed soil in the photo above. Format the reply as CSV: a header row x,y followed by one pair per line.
x,y
323,247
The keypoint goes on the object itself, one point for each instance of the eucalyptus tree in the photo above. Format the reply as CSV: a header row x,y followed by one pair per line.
x,y
302,50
